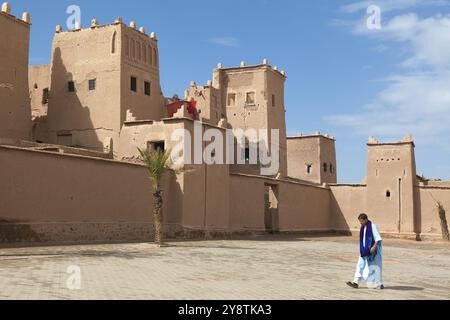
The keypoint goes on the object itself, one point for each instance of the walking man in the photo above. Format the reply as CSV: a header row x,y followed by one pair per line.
x,y
370,262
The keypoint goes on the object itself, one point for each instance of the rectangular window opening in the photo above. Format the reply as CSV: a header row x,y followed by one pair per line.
x,y
92,84
71,86
250,99
147,88
231,99
45,96
133,84
157,146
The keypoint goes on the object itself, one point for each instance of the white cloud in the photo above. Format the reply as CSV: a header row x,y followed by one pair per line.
x,y
225,41
391,5
417,98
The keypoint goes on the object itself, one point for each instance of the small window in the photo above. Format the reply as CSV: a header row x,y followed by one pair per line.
x,y
309,168
157,145
45,95
247,155
325,167
250,100
92,84
71,86
133,84
331,168
388,194
147,88
231,99
273,101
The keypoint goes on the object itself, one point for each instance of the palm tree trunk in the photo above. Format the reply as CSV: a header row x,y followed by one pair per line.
x,y
444,224
158,217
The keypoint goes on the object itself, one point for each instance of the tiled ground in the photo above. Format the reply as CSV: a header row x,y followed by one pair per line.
x,y
256,268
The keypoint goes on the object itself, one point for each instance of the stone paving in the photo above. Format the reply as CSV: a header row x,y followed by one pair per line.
x,y
276,268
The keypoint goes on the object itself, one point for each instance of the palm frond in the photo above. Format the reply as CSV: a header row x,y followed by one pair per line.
x,y
157,163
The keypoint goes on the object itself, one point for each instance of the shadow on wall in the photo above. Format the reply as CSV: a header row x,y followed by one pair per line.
x,y
172,199
69,121
338,218
14,231
417,214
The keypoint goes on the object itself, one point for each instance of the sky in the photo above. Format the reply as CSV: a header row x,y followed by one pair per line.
x,y
344,78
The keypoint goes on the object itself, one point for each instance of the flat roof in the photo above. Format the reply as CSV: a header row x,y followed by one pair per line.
x,y
311,136
258,66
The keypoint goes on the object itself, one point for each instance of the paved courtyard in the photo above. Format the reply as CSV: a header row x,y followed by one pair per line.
x,y
256,268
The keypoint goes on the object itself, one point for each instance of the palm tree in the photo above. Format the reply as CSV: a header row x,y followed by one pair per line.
x,y
444,224
158,163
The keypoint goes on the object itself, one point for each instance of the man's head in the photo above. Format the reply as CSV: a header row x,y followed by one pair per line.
x,y
363,219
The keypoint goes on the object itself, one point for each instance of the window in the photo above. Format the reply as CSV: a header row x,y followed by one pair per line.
x,y
231,99
45,95
133,84
331,168
247,155
92,84
147,88
325,167
157,145
309,168
388,194
250,100
71,86
273,101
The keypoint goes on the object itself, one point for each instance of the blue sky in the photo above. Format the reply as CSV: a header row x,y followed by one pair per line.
x,y
343,79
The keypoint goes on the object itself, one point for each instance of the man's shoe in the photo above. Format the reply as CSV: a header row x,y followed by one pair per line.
x,y
353,285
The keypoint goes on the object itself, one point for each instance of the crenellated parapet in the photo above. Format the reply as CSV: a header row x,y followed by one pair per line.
x,y
95,24
243,65
6,11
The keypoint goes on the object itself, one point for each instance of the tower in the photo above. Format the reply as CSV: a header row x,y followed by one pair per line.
x,y
391,177
100,76
312,158
15,110
252,97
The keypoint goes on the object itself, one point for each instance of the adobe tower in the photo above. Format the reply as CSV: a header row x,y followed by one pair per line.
x,y
100,77
15,110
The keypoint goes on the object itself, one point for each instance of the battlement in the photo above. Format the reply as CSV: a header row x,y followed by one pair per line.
x,y
96,25
6,12
408,139
244,67
311,136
